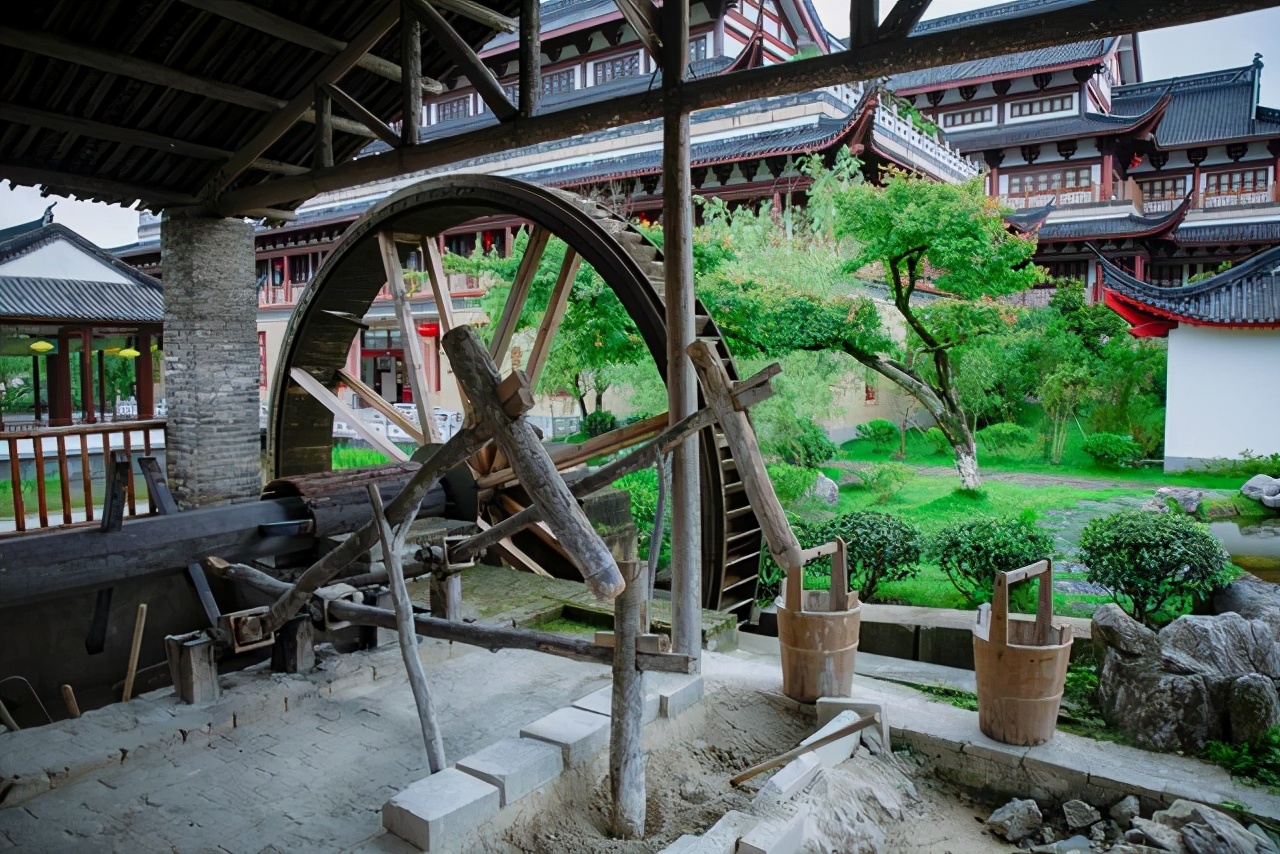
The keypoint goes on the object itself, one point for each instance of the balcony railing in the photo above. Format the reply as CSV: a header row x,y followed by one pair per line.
x,y
1060,198
57,475
937,153
1232,198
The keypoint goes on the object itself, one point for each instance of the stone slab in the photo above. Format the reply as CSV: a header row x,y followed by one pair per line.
x,y
579,734
601,702
841,749
876,737
776,836
721,838
439,810
516,766
793,777
677,692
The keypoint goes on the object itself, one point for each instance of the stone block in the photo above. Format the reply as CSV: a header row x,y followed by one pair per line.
x,y
793,777
841,749
677,692
601,702
720,838
579,734
439,810
516,766
776,836
875,737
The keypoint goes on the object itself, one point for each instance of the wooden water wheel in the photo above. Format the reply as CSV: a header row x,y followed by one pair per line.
x,y
328,315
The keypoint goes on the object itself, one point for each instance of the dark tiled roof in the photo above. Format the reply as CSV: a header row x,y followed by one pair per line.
x,y
558,14
32,239
1129,225
1004,11
1204,108
33,298
13,231
1245,295
1028,220
1239,232
1068,127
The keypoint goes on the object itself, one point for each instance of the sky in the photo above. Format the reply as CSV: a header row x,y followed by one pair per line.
x,y
1222,43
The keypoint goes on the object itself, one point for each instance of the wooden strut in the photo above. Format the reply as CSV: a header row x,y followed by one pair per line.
x,y
492,638
478,377
392,543
784,758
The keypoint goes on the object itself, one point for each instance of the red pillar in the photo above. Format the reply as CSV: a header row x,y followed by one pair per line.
x,y
102,384
60,382
86,375
144,378
1108,176
35,383
1140,268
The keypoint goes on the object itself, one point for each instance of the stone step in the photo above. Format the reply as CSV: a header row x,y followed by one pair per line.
x,y
776,835
438,811
516,766
578,733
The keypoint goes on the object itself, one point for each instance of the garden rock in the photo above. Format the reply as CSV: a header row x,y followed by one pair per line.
x,y
1253,707
1016,820
1072,845
825,490
1125,810
1158,835
1171,691
1080,814
1260,487
1154,505
1188,499
1207,831
1251,598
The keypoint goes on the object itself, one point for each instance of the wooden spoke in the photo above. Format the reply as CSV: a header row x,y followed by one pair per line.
x,y
528,268
409,341
539,528
376,401
439,284
330,401
554,314
568,457
513,555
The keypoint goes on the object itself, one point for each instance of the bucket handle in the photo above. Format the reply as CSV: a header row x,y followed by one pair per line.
x,y
1042,570
840,593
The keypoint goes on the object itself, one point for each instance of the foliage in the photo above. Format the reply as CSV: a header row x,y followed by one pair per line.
x,y
805,444
957,697
643,488
938,440
1063,392
1258,763
791,483
885,480
599,422
880,433
1147,559
1112,450
879,548
347,457
1209,274
972,552
1002,437
1247,466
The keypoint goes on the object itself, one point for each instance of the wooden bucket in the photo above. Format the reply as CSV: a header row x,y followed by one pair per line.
x,y
1020,665
818,634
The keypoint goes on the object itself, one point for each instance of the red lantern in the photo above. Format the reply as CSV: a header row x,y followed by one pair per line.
x,y
429,329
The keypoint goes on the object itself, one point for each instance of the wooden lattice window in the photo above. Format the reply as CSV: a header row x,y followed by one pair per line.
x,y
1236,182
617,68
1047,182
1164,188
458,108
1041,106
560,81
960,118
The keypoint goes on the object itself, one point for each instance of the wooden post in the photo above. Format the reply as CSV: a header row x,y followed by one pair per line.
x,y
35,385
323,156
69,697
392,543
59,365
86,376
682,391
530,61
446,595
139,625
478,377
145,393
626,751
411,76
102,385
864,21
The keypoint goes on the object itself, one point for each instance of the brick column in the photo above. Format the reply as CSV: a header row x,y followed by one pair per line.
x,y
210,360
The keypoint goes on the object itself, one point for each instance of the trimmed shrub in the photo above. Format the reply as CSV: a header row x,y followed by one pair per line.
x,y
1149,560
880,433
1003,437
599,422
971,553
885,479
806,445
1112,449
941,444
880,548
791,483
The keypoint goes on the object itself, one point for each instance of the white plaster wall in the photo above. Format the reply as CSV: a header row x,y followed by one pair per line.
x,y
1223,396
62,260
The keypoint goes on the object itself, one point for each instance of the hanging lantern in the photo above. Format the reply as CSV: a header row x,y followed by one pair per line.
x,y
429,329
41,346
129,353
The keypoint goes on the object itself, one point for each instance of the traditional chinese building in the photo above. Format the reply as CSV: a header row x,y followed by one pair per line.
x,y
1224,350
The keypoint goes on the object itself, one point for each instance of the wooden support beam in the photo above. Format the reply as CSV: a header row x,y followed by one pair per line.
x,y
1057,26
263,21
902,19
411,79
784,758
358,112
378,402
864,21
530,89
330,401
158,490
553,315
478,377
345,125
287,115
511,553
572,455
410,342
643,17
461,54
323,154
480,14
519,294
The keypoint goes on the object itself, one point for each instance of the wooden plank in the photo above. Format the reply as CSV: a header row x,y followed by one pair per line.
x,y
840,577
784,758
64,479
376,401
117,484
519,294
358,112
553,316
539,528
15,477
460,52
139,624
330,402
410,342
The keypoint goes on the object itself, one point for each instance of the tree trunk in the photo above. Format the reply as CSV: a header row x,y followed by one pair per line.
x,y
967,465
599,401
582,405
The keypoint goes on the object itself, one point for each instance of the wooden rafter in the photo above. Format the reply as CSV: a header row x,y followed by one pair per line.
x,y
902,19
553,316
102,188
528,268
331,402
642,15
358,112
409,340
263,21
480,14
456,48
339,123
288,114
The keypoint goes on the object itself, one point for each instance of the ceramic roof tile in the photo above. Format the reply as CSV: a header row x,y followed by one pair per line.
x,y
1204,108
1247,294
34,298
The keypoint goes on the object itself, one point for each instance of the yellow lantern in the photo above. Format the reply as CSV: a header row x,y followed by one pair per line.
x,y
41,346
129,353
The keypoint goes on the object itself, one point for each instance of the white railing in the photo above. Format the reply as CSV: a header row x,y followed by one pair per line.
x,y
943,155
1232,198
1038,199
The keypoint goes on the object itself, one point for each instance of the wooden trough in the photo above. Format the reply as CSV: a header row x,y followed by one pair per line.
x,y
1020,665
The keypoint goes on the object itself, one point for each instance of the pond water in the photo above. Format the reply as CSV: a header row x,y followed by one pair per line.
x,y
1253,546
